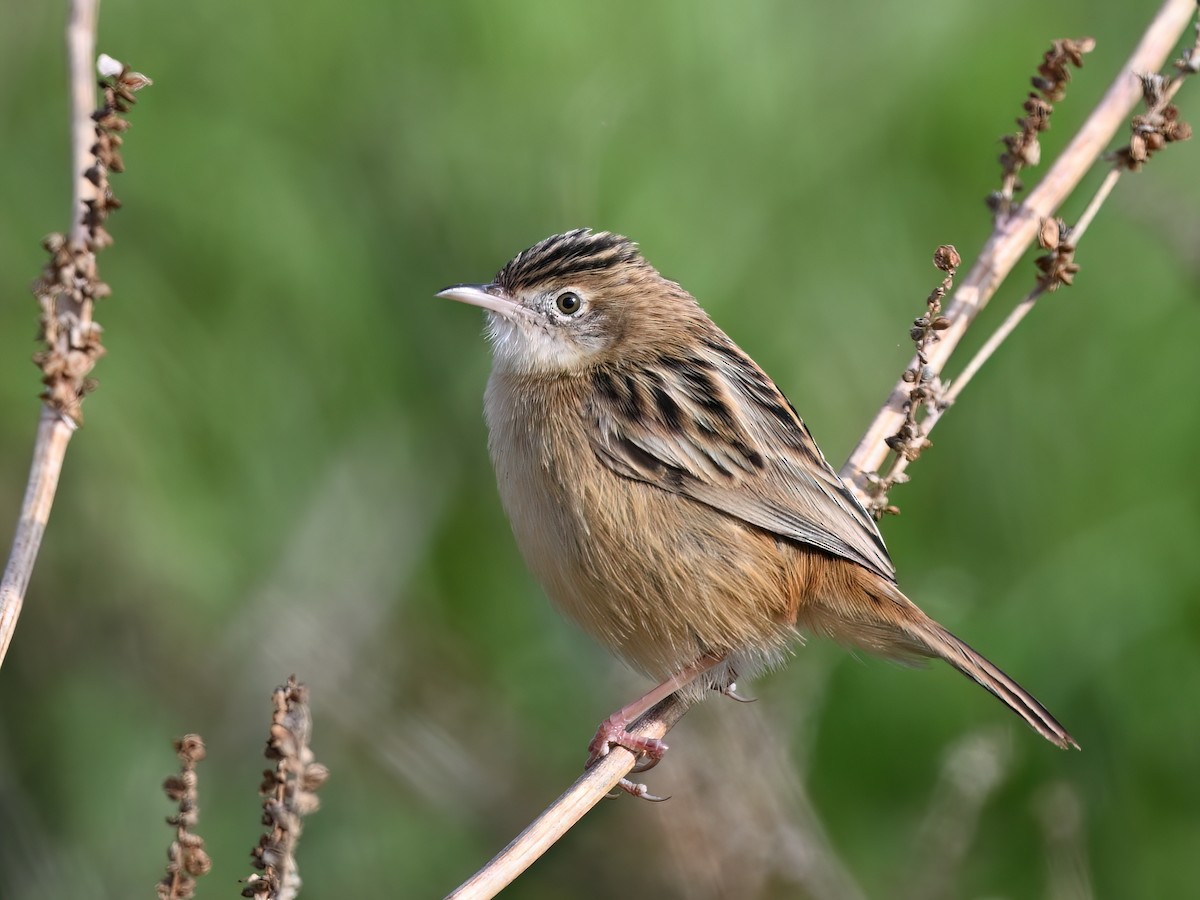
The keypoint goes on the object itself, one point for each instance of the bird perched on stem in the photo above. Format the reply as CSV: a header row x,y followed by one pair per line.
x,y
669,498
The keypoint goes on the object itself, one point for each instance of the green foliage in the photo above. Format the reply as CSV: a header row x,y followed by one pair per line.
x,y
284,468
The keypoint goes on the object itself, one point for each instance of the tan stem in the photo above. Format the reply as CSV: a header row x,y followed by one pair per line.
x,y
998,337
1093,207
81,70
53,434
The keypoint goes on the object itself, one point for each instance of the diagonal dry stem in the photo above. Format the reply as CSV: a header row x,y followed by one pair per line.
x,y
1070,241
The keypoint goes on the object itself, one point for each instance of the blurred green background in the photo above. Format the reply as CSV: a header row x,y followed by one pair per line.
x,y
284,468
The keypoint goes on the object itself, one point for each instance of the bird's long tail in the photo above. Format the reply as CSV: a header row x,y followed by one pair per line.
x,y
975,666
855,606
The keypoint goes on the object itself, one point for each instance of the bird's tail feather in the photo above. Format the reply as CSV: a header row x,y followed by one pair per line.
x,y
979,669
857,607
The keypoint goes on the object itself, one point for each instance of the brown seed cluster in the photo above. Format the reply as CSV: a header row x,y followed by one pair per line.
x,y
69,284
186,857
1023,148
288,792
1058,267
1160,124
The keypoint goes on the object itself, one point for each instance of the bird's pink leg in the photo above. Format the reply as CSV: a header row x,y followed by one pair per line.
x,y
612,731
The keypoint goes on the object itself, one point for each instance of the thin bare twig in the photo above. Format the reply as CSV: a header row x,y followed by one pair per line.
x,y
1004,248
81,74
67,291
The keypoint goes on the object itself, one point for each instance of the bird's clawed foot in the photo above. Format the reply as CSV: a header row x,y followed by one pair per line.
x,y
612,733
730,691
637,789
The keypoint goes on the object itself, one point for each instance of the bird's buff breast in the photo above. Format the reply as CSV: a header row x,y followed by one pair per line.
x,y
658,579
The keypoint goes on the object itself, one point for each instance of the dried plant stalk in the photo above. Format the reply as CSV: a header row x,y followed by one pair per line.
x,y
1015,232
289,794
187,859
67,291
1152,130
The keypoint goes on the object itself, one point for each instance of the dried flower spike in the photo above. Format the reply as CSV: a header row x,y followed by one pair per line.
x,y
187,859
925,392
289,794
69,284
1022,148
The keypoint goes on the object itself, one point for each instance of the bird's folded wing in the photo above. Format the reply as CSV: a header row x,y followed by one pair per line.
x,y
716,429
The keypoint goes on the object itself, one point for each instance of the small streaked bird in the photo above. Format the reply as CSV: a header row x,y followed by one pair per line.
x,y
669,498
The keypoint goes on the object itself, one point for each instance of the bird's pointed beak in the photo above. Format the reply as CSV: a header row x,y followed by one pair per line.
x,y
485,296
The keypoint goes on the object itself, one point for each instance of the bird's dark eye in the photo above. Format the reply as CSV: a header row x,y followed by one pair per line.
x,y
568,303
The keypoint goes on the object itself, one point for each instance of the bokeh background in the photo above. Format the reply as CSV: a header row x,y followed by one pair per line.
x,y
284,468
